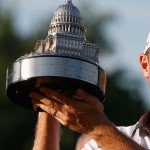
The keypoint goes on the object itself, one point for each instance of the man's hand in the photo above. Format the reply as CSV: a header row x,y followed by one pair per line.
x,y
82,112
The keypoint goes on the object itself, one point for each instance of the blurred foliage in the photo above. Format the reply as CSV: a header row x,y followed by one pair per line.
x,y
17,124
124,106
96,23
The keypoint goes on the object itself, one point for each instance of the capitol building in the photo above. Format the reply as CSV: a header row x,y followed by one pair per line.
x,y
67,35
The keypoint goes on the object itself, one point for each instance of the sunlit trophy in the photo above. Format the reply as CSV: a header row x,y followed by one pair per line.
x,y
65,56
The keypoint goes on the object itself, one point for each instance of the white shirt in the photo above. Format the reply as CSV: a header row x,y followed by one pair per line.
x,y
138,132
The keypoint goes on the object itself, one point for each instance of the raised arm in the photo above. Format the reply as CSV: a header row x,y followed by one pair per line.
x,y
47,134
84,113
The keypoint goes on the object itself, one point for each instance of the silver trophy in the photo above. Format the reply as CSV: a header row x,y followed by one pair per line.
x,y
65,57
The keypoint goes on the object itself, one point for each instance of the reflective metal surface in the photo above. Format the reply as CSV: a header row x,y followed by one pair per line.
x,y
54,66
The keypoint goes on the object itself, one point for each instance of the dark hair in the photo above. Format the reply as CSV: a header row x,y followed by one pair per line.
x,y
147,52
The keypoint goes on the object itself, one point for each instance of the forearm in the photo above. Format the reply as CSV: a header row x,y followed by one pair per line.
x,y
47,135
109,137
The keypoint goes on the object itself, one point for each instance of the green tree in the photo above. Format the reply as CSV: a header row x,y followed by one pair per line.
x,y
14,121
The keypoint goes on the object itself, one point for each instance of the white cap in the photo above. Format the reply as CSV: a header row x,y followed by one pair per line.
x,y
148,43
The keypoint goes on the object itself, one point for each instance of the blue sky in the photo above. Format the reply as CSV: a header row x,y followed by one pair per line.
x,y
128,33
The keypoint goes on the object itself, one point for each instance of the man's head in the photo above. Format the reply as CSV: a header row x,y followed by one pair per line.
x,y
145,60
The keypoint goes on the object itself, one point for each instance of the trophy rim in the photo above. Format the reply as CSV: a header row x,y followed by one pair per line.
x,y
27,103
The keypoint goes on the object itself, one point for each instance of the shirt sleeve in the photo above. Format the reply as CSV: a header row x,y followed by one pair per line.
x,y
91,145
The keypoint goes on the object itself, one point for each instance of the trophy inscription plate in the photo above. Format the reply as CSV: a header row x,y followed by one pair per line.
x,y
56,66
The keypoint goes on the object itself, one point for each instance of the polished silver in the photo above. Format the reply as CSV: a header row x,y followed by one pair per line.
x,y
64,53
54,66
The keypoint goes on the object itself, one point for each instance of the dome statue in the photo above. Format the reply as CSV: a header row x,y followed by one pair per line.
x,y
67,35
67,19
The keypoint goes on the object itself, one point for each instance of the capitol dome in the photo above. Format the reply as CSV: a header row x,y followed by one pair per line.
x,y
67,19
67,35
69,8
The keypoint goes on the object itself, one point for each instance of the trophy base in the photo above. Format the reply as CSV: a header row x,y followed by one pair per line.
x,y
63,74
19,92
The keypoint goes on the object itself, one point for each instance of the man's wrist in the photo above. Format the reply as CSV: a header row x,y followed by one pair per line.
x,y
101,126
45,117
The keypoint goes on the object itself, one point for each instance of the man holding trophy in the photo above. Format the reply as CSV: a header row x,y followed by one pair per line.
x,y
62,80
83,113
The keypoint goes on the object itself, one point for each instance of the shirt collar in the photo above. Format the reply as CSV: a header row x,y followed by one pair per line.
x,y
143,124
145,120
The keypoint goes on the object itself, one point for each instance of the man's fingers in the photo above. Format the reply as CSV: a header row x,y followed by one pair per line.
x,y
86,97
35,102
62,117
52,107
42,99
52,94
81,95
52,111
